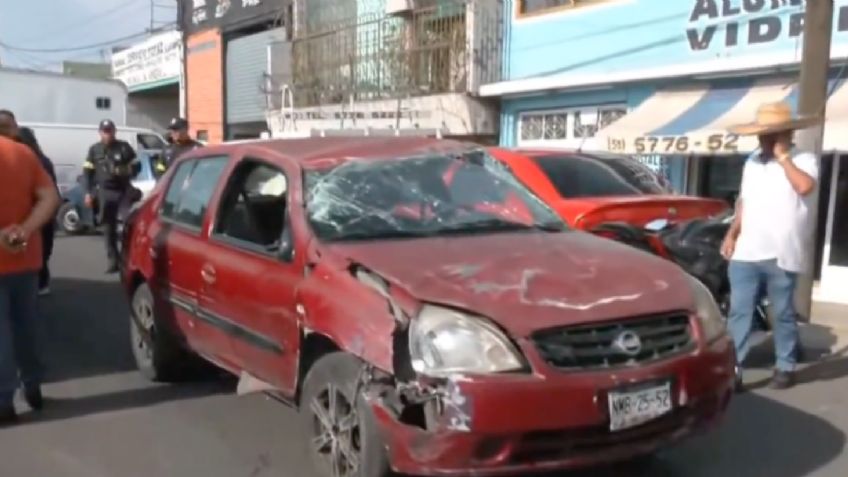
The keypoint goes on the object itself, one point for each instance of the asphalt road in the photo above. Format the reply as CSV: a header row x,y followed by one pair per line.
x,y
103,420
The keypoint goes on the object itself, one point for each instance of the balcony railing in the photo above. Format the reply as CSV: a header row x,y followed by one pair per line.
x,y
341,54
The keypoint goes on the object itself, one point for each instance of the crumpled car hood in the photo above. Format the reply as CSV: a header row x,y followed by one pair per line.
x,y
528,281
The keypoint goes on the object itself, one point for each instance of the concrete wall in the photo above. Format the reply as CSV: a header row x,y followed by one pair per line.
x,y
205,85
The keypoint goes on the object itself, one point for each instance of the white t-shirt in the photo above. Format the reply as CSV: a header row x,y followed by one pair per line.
x,y
776,220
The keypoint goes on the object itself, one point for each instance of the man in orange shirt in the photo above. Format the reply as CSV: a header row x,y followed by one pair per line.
x,y
29,200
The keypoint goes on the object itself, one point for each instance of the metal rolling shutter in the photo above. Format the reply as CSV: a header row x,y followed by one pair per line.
x,y
247,63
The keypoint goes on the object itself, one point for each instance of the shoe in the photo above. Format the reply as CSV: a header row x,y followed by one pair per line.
x,y
8,416
34,398
44,291
782,380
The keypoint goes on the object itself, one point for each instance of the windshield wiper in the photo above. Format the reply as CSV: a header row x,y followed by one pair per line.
x,y
492,225
379,235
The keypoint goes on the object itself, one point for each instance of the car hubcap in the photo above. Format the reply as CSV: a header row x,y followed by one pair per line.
x,y
144,327
335,436
71,220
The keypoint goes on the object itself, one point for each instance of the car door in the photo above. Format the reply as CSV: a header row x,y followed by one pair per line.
x,y
249,287
177,247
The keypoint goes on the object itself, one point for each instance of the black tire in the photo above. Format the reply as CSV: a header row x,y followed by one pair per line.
x,y
69,220
158,355
352,425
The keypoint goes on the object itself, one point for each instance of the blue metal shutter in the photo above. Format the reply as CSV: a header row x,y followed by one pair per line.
x,y
247,64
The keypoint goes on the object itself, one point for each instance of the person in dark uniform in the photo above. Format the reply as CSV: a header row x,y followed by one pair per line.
x,y
109,169
179,143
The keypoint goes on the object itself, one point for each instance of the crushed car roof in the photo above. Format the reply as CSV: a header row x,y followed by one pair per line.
x,y
317,152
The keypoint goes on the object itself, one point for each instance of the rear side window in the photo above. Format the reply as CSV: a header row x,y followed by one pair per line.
x,y
584,176
191,190
150,141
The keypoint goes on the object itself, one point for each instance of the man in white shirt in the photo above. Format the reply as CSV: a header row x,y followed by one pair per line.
x,y
766,243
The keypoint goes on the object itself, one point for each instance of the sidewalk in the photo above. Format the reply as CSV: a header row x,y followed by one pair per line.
x,y
833,315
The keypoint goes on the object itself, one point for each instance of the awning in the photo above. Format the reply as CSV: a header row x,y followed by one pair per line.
x,y
694,120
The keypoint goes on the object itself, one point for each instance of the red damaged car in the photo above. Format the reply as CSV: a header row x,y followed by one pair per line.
x,y
424,310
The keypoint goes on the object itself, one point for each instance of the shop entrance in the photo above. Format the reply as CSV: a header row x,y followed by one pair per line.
x,y
835,253
720,177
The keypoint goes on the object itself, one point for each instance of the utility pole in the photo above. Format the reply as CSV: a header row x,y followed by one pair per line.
x,y
815,65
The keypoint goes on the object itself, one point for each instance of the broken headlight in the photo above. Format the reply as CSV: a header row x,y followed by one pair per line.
x,y
707,310
444,341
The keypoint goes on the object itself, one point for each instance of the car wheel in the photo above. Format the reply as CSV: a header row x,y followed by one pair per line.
x,y
341,432
158,356
724,305
69,219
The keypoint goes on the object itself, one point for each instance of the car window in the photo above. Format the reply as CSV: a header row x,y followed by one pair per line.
x,y
464,193
191,190
175,188
253,208
577,176
150,141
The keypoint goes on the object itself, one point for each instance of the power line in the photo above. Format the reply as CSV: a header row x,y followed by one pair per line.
x,y
92,46
86,21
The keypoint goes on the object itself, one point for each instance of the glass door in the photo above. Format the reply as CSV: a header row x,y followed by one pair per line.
x,y
835,257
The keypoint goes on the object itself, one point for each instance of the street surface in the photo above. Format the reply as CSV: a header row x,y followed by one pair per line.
x,y
103,420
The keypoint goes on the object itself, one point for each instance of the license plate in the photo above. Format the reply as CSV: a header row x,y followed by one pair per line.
x,y
631,408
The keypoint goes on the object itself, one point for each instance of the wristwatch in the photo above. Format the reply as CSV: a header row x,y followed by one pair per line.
x,y
784,158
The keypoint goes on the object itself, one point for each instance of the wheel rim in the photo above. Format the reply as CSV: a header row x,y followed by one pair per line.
x,y
335,431
143,326
724,305
71,220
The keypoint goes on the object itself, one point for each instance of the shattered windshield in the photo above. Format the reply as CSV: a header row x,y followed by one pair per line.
x,y
465,193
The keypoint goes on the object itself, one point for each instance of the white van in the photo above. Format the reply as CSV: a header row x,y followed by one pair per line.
x,y
67,144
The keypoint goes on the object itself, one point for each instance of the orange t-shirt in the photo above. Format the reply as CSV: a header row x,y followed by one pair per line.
x,y
21,175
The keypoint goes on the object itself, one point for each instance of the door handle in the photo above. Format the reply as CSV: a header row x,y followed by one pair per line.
x,y
208,274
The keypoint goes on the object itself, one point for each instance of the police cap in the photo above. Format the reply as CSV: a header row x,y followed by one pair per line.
x,y
178,124
107,125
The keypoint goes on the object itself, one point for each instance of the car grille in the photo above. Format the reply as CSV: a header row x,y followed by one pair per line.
x,y
612,344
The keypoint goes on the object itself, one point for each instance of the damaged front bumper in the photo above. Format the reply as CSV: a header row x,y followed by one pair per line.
x,y
504,424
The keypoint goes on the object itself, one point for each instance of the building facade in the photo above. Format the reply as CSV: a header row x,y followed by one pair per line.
x,y
152,72
388,65
663,80
227,64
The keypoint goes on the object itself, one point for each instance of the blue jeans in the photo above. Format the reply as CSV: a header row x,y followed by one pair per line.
x,y
20,334
746,279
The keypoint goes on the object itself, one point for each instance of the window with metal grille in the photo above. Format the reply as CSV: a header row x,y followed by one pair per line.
x,y
534,7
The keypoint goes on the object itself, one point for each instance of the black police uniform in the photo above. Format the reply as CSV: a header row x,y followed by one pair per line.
x,y
175,149
109,170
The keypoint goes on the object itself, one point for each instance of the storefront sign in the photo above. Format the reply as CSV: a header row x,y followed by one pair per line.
x,y
696,143
452,113
200,14
681,36
741,23
152,61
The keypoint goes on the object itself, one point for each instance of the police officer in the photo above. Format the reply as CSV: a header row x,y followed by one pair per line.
x,y
180,142
109,169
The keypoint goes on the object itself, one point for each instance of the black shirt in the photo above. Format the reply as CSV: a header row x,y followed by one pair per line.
x,y
110,166
174,151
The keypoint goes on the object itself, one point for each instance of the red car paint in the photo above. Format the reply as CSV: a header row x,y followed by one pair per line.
x,y
525,282
584,213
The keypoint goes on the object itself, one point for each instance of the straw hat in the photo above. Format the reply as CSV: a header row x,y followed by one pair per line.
x,y
774,117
